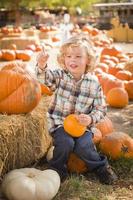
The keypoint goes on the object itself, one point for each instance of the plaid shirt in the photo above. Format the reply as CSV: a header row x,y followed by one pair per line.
x,y
83,96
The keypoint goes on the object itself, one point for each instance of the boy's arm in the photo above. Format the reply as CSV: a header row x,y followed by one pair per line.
x,y
99,107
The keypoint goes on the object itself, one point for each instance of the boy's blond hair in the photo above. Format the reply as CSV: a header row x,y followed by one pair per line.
x,y
76,41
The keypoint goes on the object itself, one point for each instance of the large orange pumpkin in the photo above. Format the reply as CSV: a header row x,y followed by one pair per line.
x,y
129,89
116,145
8,55
13,64
129,65
24,55
117,97
97,135
73,127
19,93
123,75
112,51
75,164
112,83
114,69
105,126
22,67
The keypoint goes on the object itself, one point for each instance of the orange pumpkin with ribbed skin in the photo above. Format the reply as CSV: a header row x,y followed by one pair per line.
x,y
13,64
103,67
73,127
117,97
124,75
112,51
129,89
22,66
114,69
19,93
46,90
104,57
114,59
112,83
97,136
129,65
109,62
116,145
75,164
8,55
0,54
24,55
105,126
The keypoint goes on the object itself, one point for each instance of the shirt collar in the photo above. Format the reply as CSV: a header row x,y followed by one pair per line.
x,y
84,76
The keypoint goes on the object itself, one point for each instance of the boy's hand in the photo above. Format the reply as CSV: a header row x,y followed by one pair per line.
x,y
84,119
42,58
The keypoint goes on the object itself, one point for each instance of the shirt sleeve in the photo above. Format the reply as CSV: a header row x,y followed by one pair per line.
x,y
51,78
99,106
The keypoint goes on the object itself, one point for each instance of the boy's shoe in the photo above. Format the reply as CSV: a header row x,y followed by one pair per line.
x,y
106,175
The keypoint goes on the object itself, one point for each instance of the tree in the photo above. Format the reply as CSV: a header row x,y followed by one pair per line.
x,y
16,5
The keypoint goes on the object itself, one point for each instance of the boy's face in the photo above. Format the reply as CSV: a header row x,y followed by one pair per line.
x,y
76,59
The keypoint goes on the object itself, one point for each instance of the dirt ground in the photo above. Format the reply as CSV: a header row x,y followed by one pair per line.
x,y
122,118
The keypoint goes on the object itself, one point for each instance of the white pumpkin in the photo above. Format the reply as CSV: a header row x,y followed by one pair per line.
x,y
31,184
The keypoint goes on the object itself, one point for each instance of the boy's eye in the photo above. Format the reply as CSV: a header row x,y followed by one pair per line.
x,y
78,56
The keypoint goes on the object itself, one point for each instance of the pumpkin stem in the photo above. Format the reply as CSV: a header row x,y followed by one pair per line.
x,y
31,175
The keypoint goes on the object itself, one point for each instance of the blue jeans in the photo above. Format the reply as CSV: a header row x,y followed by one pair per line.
x,y
82,146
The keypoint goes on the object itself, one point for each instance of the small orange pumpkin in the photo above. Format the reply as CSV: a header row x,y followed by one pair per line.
x,y
105,126
24,55
73,127
97,136
117,97
112,51
123,75
8,55
45,90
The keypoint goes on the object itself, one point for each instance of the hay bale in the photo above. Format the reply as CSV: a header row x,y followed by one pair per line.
x,y
47,35
21,42
24,138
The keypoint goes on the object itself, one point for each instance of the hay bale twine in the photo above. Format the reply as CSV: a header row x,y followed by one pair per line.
x,y
24,138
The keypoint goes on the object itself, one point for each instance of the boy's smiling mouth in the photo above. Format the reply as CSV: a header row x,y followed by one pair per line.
x,y
73,66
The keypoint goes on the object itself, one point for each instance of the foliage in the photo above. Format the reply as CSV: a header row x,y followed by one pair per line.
x,y
44,3
70,4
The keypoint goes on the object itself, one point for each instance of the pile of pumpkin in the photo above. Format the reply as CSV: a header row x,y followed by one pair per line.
x,y
12,53
11,30
115,73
